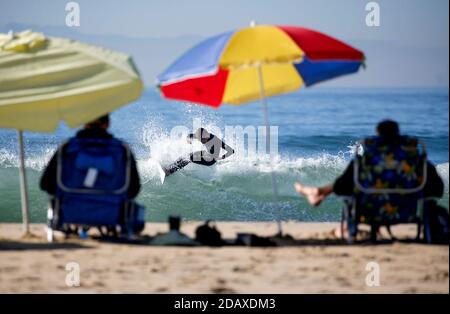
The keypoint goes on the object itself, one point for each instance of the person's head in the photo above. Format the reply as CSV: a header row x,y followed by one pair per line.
x,y
201,135
99,123
388,129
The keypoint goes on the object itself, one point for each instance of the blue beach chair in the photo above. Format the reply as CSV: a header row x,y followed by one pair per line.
x,y
93,177
388,187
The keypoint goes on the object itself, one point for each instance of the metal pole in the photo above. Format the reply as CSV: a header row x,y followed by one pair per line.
x,y
23,185
266,121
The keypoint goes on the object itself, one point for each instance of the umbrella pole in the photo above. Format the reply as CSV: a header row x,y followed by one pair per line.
x,y
272,173
23,185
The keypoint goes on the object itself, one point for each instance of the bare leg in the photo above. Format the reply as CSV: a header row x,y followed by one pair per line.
x,y
314,195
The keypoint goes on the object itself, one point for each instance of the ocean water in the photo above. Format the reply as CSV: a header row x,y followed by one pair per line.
x,y
317,130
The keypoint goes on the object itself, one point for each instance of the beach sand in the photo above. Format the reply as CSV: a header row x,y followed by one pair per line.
x,y
318,263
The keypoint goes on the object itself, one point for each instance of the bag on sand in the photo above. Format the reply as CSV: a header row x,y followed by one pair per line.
x,y
437,226
208,235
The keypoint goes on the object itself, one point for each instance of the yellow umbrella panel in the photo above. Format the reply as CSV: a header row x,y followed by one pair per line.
x,y
47,80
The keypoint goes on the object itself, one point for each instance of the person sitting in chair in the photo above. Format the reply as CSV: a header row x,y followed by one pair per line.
x,y
97,129
93,180
344,185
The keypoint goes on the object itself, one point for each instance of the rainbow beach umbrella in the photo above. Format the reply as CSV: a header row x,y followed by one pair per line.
x,y
225,68
254,63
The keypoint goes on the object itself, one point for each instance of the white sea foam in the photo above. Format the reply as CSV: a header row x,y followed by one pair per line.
x,y
35,161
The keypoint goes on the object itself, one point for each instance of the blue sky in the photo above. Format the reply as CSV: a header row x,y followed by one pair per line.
x,y
410,48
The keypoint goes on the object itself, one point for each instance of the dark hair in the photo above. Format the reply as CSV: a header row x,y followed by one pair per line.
x,y
388,129
99,121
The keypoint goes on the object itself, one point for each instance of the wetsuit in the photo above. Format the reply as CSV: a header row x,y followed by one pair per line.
x,y
207,157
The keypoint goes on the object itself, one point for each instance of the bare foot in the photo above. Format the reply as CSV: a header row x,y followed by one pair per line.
x,y
312,194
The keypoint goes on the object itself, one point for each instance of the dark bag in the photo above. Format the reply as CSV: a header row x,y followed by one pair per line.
x,y
436,225
208,235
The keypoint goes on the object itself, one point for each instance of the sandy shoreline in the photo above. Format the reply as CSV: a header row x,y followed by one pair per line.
x,y
322,265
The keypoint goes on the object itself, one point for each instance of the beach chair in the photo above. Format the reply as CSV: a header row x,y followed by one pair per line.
x,y
93,177
388,187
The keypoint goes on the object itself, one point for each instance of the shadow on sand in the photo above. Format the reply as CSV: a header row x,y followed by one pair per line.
x,y
271,241
36,246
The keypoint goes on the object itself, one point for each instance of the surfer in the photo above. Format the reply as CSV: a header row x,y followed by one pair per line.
x,y
207,157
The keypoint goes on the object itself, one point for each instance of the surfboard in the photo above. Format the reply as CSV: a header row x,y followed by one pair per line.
x,y
159,169
162,173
